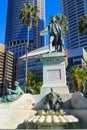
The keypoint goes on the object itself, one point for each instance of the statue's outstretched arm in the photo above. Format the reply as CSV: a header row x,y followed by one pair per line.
x,y
44,32
13,91
16,91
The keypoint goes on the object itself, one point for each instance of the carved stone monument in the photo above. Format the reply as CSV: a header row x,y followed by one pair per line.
x,y
54,64
54,73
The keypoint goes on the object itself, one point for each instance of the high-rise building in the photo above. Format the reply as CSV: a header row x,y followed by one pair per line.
x,y
77,57
16,33
73,10
6,67
1,65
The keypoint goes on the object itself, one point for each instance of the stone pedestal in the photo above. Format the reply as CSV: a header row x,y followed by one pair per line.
x,y
54,73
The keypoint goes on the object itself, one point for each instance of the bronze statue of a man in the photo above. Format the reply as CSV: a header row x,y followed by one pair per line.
x,y
55,34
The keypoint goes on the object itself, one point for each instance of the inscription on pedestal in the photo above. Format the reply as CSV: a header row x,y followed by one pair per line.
x,y
53,75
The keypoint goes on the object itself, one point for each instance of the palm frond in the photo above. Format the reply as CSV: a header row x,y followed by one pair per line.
x,y
28,14
63,22
78,75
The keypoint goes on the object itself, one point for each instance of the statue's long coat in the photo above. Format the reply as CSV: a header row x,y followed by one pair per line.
x,y
54,29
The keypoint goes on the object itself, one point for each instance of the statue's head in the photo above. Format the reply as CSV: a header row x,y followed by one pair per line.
x,y
52,92
16,83
53,19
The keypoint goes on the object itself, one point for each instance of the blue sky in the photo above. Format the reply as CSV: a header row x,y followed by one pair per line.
x,y
52,8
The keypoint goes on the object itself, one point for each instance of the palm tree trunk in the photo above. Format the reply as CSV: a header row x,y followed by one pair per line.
x,y
27,47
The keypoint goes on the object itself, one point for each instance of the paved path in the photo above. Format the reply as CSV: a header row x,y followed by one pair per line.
x,y
10,119
14,113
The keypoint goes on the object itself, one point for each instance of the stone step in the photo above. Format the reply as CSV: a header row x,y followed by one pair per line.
x,y
62,119
48,119
54,118
41,119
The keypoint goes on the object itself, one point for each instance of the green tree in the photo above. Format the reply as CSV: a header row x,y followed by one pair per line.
x,y
33,82
30,78
77,78
29,15
83,24
63,22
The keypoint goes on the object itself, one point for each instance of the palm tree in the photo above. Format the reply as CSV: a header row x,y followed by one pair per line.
x,y
63,22
77,78
83,24
72,79
29,15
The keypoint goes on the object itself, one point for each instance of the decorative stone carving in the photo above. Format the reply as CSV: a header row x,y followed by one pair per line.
x,y
78,101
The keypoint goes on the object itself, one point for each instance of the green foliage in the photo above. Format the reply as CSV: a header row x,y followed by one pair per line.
x,y
83,24
63,22
33,82
29,14
77,76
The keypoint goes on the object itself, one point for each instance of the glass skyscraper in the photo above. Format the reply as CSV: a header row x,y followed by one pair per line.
x,y
16,33
73,10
